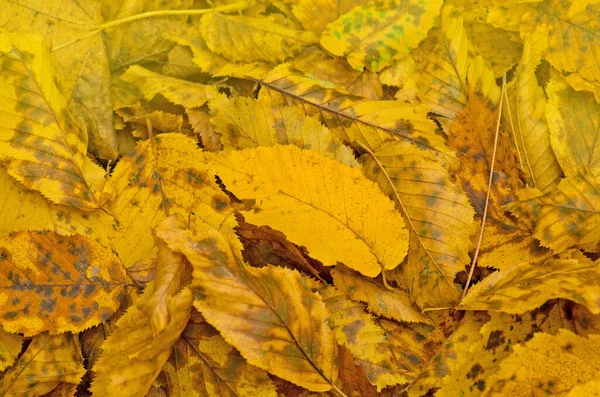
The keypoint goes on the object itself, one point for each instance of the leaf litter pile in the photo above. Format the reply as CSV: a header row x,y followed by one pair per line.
x,y
299,198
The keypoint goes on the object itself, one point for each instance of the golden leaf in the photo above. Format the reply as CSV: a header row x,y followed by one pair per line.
x,y
573,132
383,353
55,283
274,320
203,364
82,70
440,218
375,34
527,117
48,362
10,347
329,11
568,216
180,92
525,287
546,365
132,356
448,70
358,226
572,33
167,175
248,123
42,144
395,305
268,41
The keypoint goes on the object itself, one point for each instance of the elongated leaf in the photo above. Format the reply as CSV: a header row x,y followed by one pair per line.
x,y
180,92
167,175
248,39
53,283
203,364
440,218
132,356
275,321
528,118
525,287
546,363
574,133
568,216
82,69
376,33
447,69
380,301
40,141
248,123
357,225
48,362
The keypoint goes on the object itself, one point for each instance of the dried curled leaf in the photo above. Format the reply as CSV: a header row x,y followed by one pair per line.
x,y
274,320
203,364
525,287
267,40
357,225
42,144
54,283
375,34
48,362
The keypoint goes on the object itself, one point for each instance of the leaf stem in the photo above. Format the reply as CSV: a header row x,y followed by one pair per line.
x,y
489,190
159,13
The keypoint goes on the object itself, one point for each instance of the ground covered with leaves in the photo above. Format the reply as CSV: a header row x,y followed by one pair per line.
x,y
299,198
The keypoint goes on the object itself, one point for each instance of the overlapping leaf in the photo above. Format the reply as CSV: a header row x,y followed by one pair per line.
x,y
357,225
376,33
48,363
54,283
42,144
10,347
282,330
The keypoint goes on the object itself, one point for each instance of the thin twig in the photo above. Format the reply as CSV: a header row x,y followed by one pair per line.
x,y
489,190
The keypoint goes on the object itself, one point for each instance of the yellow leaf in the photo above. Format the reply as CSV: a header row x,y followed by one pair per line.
x,y
275,321
82,69
440,218
180,92
315,62
525,287
568,216
10,347
203,364
572,33
527,117
388,355
373,35
167,175
357,225
57,284
48,362
329,11
22,209
549,365
132,356
247,39
380,301
448,70
248,123
452,355
42,144
574,124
